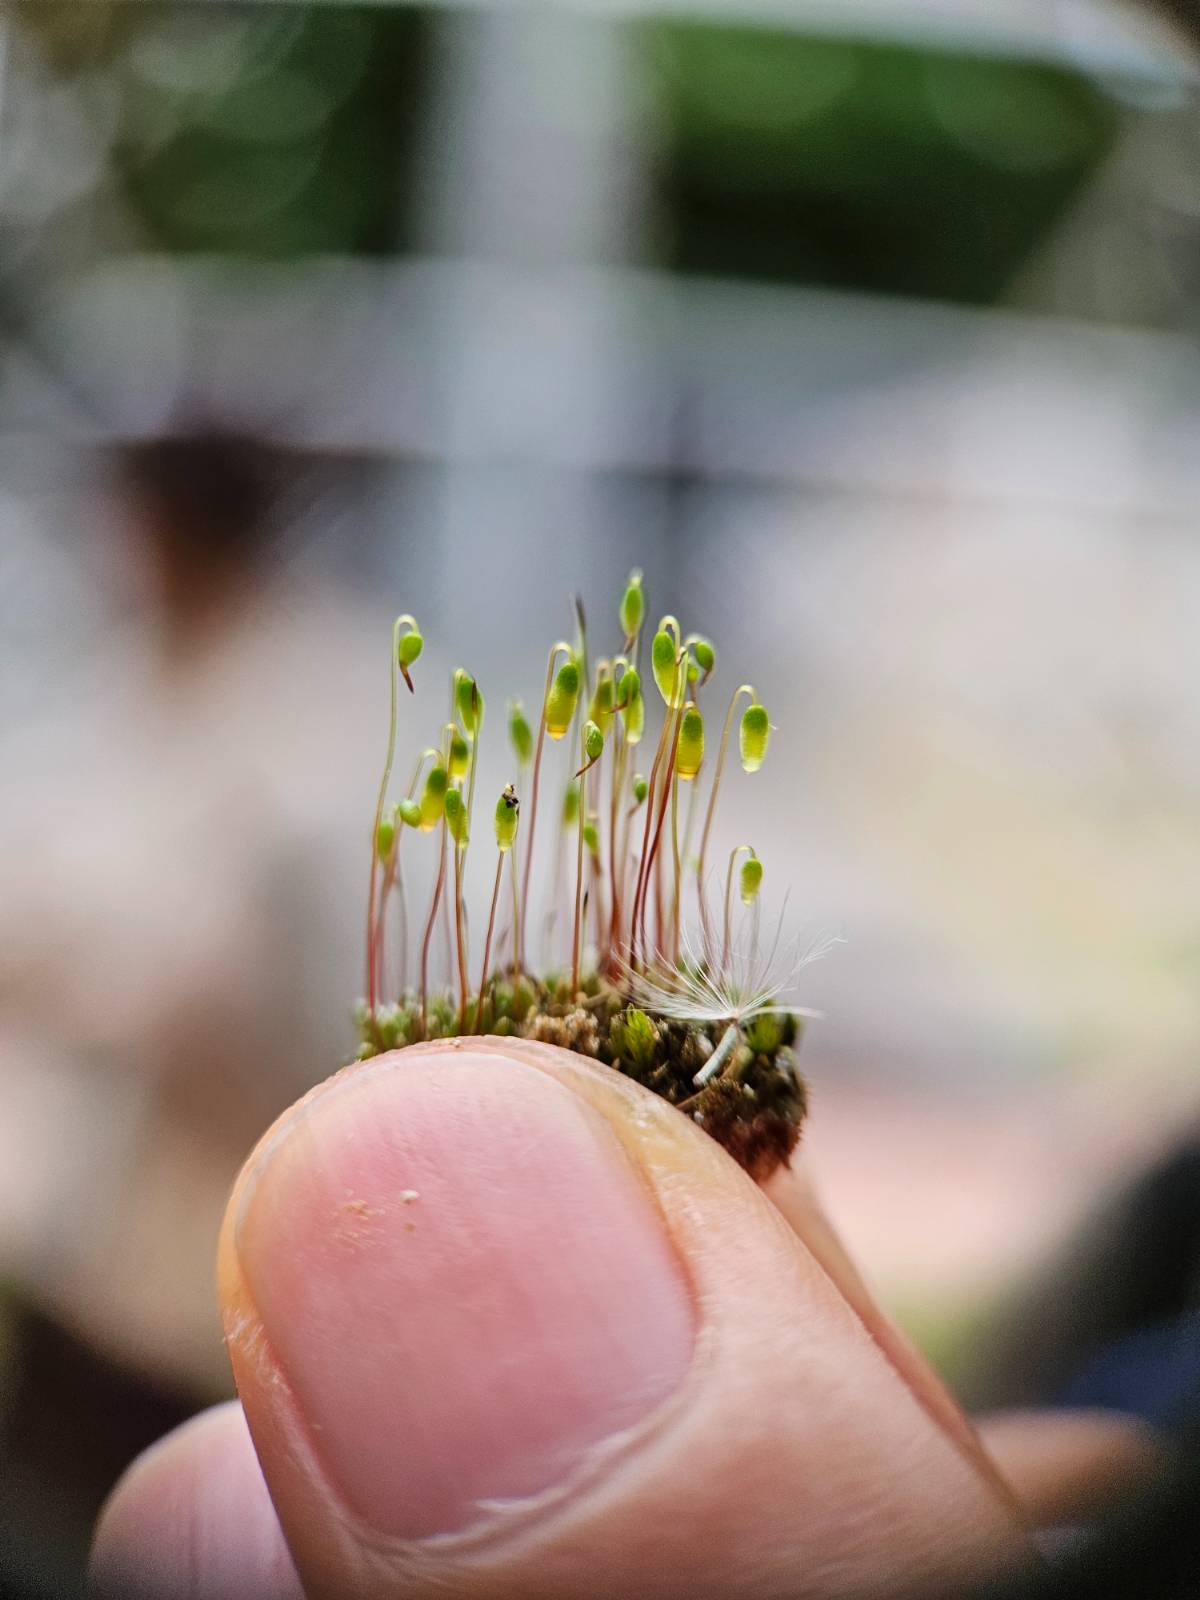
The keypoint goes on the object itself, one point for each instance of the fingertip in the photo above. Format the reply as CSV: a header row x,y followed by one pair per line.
x,y
191,1518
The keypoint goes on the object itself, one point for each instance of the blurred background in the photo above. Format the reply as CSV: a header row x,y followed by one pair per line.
x,y
871,332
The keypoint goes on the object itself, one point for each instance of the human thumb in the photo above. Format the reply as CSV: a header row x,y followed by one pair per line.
x,y
505,1324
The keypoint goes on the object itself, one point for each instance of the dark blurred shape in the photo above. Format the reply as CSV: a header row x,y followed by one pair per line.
x,y
76,1422
200,516
1184,13
207,495
1148,1550
1116,1322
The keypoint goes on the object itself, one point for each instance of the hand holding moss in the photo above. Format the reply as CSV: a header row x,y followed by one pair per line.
x,y
505,1324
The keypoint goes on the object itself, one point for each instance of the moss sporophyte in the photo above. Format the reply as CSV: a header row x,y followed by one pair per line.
x,y
699,1016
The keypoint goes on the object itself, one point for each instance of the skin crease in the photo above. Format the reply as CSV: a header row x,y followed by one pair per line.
x,y
795,1460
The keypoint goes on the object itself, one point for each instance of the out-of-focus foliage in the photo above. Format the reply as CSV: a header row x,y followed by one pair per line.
x,y
867,165
248,129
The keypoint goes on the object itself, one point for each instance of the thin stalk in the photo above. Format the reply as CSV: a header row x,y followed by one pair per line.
x,y
674,720
615,864
461,942
675,859
597,895
643,865
400,894
433,911
667,625
372,993
689,825
659,873
667,739
733,855
557,650
516,917
620,758
471,772
447,940
576,937
487,943
389,877
742,689
402,907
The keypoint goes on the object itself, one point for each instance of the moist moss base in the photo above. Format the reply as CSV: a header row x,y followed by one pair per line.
x,y
754,1106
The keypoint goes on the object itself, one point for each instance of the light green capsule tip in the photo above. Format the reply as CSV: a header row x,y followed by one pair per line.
x,y
601,708
662,660
468,701
633,605
507,811
520,734
670,677
689,750
456,815
384,838
753,736
752,871
635,718
433,797
560,702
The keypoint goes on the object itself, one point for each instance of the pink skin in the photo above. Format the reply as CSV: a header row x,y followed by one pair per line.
x,y
392,1222
504,1324
192,1517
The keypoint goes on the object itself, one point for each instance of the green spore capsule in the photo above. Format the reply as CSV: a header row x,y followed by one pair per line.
x,y
666,676
751,879
508,809
689,750
519,733
591,838
640,788
603,699
633,605
385,837
706,656
433,797
570,808
456,815
560,702
460,755
753,735
635,719
408,647
468,701
631,703
409,813
593,741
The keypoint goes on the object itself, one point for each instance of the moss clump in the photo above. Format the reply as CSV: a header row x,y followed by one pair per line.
x,y
754,1105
